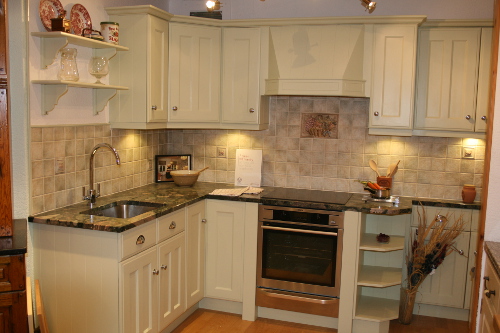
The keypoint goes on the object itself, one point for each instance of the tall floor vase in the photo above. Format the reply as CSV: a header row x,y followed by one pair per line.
x,y
406,304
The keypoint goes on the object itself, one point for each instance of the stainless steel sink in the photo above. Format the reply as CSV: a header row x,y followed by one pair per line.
x,y
122,209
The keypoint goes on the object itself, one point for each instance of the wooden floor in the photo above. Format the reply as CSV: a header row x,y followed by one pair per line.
x,y
208,321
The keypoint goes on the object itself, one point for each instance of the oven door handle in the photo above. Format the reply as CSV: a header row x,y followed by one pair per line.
x,y
319,300
302,231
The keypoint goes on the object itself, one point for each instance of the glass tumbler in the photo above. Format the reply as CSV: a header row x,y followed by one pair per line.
x,y
69,68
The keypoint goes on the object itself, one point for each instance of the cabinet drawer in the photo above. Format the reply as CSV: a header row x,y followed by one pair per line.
x,y
12,273
138,239
491,283
452,214
171,224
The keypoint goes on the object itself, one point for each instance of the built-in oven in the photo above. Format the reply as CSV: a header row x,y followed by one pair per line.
x,y
299,259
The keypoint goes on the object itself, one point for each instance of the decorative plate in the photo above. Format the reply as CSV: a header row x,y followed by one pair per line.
x,y
79,19
49,9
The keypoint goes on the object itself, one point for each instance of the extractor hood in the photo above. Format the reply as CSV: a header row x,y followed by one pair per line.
x,y
325,60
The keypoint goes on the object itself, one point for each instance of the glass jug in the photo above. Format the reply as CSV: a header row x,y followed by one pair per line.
x,y
69,69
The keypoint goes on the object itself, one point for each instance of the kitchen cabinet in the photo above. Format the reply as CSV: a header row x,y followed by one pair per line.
x,y
13,301
452,79
242,107
225,246
194,74
451,283
144,68
130,281
392,79
195,253
379,271
490,304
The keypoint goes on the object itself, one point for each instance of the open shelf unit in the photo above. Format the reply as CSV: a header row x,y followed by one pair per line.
x,y
53,41
380,268
52,90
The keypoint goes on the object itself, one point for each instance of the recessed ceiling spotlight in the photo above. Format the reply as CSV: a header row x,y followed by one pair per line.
x,y
369,5
213,5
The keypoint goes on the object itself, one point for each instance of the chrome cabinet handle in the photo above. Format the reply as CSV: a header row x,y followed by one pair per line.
x,y
156,272
461,252
204,220
252,110
488,293
468,117
140,240
164,267
441,218
153,107
174,108
172,225
376,113
483,118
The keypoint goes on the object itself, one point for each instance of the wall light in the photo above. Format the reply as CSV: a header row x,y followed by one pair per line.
x,y
369,5
213,5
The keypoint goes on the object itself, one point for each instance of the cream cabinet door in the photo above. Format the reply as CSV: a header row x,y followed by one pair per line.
x,y
392,86
240,75
194,73
446,287
172,279
483,83
225,244
139,291
448,60
143,69
470,273
195,253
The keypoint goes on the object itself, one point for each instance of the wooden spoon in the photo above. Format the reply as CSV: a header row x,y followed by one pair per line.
x,y
205,168
393,168
373,166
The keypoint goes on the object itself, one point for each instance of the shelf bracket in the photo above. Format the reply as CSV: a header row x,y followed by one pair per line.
x,y
101,98
50,49
51,95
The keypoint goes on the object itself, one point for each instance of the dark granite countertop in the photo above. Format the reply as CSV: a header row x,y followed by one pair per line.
x,y
16,244
493,252
173,197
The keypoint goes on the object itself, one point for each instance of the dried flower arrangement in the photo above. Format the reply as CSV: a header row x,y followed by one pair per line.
x,y
428,247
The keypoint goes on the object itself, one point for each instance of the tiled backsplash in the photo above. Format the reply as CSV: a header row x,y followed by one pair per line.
x,y
60,162
430,167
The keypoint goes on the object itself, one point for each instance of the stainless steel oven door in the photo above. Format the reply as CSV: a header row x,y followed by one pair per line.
x,y
299,258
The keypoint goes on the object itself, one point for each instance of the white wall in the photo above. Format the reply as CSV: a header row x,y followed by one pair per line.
x,y
248,9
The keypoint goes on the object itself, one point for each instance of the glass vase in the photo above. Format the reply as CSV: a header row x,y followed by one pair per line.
x,y
69,69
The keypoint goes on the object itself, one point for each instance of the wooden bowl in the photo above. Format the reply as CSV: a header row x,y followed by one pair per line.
x,y
184,177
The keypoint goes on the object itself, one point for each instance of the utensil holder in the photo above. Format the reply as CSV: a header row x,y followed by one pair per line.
x,y
384,181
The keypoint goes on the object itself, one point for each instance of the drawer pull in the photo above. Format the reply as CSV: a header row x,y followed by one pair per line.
x,y
441,218
156,272
140,240
164,267
488,293
172,225
461,252
204,220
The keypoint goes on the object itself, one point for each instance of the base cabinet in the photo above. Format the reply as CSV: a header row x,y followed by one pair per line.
x,y
490,306
225,246
195,253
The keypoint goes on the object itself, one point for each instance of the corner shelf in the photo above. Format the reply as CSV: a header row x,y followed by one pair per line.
x,y
377,309
369,243
379,277
52,90
53,41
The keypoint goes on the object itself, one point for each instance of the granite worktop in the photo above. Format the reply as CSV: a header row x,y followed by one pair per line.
x,y
173,197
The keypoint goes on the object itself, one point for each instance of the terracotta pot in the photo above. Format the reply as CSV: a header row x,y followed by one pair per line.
x,y
406,304
468,193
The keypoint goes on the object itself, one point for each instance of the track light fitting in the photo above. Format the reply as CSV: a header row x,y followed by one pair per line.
x,y
369,5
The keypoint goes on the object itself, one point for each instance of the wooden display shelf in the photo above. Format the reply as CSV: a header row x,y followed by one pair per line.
x,y
52,90
369,243
53,41
379,277
377,309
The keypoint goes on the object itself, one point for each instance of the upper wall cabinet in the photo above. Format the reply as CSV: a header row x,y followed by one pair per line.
x,y
143,68
194,80
241,79
325,60
392,80
452,80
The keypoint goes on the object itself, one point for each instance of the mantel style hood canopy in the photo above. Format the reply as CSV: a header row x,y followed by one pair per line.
x,y
322,60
